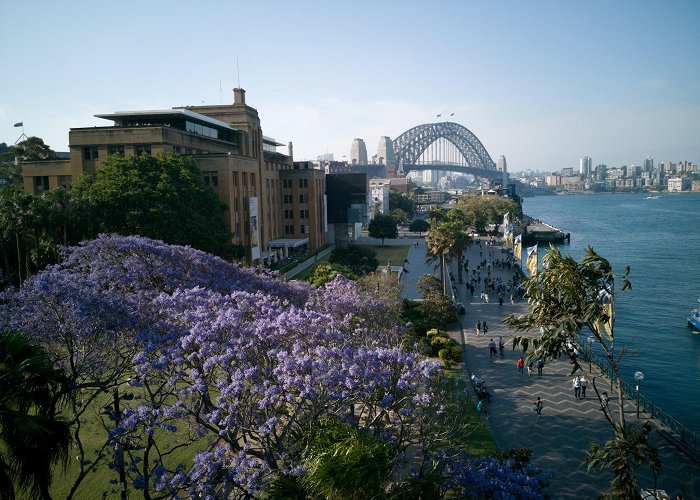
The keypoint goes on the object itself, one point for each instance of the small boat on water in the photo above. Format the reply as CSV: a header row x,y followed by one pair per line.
x,y
652,197
694,319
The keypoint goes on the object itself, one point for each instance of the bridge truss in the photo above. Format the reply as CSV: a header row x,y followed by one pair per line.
x,y
443,146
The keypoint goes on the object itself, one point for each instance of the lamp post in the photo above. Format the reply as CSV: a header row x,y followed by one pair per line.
x,y
638,376
591,339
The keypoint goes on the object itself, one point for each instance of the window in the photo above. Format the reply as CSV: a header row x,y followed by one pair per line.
x,y
287,183
116,150
303,214
140,149
289,214
288,198
303,183
64,181
90,153
244,179
303,198
234,178
211,177
41,183
302,229
288,229
252,179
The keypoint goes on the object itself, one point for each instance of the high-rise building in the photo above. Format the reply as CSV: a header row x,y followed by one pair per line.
x,y
649,164
358,152
502,166
385,152
585,166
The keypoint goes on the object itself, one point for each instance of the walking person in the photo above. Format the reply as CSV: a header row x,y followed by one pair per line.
x,y
492,349
478,327
501,345
576,384
604,401
537,406
540,365
583,383
521,364
484,326
529,368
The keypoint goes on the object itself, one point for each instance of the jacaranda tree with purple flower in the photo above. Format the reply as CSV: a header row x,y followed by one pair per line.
x,y
178,353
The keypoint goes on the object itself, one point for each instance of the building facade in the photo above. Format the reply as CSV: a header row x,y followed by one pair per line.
x,y
236,160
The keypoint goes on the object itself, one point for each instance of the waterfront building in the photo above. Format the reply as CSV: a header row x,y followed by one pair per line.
x,y
678,184
235,158
648,164
358,152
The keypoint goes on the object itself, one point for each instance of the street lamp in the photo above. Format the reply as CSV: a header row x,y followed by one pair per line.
x,y
591,339
638,376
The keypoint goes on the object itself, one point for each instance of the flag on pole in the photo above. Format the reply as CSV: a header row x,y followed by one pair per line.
x,y
508,236
506,218
605,326
439,116
518,248
531,263
19,124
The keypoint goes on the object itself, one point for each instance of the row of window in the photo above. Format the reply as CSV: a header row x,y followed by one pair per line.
x,y
289,214
93,153
287,183
196,128
289,229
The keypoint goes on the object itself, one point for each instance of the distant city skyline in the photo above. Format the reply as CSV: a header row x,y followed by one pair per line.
x,y
543,84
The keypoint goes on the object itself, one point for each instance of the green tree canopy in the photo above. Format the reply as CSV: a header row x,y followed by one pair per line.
x,y
399,215
400,201
361,260
419,226
162,197
383,226
33,148
480,211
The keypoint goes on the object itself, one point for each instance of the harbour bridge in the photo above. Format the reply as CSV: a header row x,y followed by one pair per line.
x,y
444,146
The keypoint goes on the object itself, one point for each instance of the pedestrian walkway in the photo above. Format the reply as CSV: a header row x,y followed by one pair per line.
x,y
568,425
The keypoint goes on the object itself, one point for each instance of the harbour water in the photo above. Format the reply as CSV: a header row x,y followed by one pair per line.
x,y
660,240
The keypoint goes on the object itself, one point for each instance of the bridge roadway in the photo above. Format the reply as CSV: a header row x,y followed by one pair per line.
x,y
560,437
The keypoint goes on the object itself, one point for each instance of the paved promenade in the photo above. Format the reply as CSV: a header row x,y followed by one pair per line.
x,y
560,437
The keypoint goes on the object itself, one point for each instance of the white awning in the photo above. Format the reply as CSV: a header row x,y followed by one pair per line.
x,y
288,243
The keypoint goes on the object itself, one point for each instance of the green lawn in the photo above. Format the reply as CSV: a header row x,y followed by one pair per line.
x,y
395,254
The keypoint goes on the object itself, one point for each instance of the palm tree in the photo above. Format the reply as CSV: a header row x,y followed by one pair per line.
x,y
32,437
445,240
437,241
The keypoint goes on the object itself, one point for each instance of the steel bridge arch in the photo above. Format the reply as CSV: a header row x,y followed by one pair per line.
x,y
409,146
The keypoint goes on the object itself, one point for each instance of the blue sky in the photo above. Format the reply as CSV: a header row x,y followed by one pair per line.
x,y
543,83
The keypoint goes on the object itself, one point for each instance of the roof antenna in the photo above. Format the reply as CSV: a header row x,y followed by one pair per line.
x,y
221,95
238,71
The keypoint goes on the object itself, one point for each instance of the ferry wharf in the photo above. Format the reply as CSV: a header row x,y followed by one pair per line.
x,y
568,425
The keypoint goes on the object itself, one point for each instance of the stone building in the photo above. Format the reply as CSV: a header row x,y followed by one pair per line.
x,y
236,160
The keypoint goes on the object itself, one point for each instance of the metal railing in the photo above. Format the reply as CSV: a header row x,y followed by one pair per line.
x,y
646,405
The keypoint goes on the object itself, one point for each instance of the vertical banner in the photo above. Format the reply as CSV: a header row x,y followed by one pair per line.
x,y
518,248
254,228
531,262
